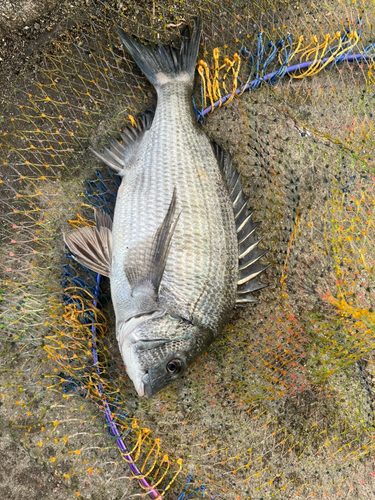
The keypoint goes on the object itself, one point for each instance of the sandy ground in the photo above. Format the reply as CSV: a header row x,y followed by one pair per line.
x,y
21,476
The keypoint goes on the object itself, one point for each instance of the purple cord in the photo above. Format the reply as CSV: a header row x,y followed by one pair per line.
x,y
290,69
151,492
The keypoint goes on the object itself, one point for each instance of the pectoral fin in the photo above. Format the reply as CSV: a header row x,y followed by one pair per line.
x,y
92,247
146,263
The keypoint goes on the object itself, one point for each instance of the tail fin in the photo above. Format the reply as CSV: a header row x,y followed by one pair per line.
x,y
163,62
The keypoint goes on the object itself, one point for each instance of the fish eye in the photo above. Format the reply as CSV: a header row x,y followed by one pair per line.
x,y
174,366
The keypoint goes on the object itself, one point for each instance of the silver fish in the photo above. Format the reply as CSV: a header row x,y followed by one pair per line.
x,y
182,249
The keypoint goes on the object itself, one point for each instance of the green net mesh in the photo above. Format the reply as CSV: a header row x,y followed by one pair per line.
x,y
282,405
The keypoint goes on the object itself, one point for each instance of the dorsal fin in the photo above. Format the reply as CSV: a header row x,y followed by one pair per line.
x,y
118,154
248,251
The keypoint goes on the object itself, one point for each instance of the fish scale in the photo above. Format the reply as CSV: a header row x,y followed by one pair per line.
x,y
179,222
206,225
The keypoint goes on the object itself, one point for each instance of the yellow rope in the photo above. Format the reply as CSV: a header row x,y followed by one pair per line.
x,y
215,84
235,72
316,66
132,121
370,77
81,221
211,82
297,49
213,89
204,72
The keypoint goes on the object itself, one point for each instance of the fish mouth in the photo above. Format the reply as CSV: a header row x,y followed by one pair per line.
x,y
141,389
150,389
146,386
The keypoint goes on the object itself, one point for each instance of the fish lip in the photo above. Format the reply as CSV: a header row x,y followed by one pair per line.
x,y
148,392
141,390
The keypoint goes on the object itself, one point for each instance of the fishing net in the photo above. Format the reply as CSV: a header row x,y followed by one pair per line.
x,y
282,404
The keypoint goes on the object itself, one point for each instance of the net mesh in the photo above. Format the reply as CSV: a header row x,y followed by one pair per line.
x,y
282,404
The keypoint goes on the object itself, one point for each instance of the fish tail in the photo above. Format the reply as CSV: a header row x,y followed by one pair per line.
x,y
163,63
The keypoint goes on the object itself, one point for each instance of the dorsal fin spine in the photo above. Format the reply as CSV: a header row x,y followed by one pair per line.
x,y
250,249
238,196
244,223
245,229
241,210
117,155
252,231
251,276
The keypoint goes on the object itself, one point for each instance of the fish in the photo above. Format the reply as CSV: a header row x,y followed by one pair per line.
x,y
181,251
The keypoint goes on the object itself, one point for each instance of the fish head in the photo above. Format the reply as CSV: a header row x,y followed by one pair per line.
x,y
159,349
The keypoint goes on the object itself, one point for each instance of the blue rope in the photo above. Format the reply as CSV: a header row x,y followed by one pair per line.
x,y
258,65
258,58
70,384
71,277
280,73
198,114
201,490
271,56
344,39
101,193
